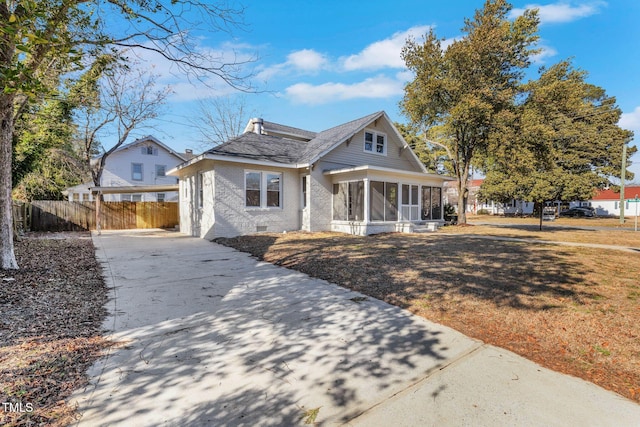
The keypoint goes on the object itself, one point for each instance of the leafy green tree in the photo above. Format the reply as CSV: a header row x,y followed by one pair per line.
x,y
434,157
44,160
463,92
38,34
565,146
39,128
57,170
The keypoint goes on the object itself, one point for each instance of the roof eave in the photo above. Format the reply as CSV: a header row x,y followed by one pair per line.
x,y
387,170
234,159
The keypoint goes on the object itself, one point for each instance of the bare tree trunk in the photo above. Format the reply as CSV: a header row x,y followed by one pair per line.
x,y
463,195
7,255
463,190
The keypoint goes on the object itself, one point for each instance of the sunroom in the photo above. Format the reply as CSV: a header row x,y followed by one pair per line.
x,y
369,200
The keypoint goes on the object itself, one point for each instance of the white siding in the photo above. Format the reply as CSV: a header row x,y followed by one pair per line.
x,y
353,153
118,169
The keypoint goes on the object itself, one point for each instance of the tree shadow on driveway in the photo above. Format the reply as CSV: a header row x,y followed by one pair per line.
x,y
269,348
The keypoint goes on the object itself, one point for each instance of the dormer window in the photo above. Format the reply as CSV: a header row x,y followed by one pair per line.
x,y
375,142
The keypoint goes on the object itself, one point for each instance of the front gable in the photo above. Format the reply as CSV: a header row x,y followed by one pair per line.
x,y
374,143
145,161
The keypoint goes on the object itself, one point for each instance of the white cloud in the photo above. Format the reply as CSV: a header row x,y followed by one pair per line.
x,y
305,61
374,87
631,121
383,53
561,12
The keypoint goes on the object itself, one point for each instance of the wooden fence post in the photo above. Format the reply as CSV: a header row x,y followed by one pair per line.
x,y
98,213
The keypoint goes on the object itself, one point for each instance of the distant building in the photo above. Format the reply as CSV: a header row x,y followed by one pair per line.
x,y
142,162
475,205
606,202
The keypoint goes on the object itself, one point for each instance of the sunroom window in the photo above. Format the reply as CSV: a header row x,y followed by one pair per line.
x,y
383,198
348,201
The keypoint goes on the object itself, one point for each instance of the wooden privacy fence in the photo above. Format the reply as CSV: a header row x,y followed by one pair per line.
x,y
21,217
62,215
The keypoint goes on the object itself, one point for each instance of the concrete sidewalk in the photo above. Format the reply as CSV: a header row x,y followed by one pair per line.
x,y
211,337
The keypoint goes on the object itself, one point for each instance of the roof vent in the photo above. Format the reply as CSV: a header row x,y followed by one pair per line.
x,y
257,125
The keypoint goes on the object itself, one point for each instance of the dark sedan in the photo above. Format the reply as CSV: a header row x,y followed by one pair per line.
x,y
579,212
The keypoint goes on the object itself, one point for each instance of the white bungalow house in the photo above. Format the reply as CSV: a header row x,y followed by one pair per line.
x,y
360,177
142,163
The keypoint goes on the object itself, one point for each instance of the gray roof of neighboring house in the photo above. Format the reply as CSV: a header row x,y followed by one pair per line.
x,y
284,150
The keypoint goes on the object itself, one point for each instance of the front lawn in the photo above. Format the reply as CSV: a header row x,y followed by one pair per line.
x,y
572,309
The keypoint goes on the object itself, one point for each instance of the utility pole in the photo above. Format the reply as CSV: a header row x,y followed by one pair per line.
x,y
623,172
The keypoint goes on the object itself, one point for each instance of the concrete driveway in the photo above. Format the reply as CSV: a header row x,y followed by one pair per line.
x,y
212,337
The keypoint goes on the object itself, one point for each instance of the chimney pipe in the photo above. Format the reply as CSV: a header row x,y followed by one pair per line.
x,y
257,125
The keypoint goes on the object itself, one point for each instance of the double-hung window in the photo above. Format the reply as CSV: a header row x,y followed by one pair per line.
x,y
375,142
161,171
263,189
136,172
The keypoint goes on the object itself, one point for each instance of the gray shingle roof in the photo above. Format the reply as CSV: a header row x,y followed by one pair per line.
x,y
329,138
283,150
252,146
283,129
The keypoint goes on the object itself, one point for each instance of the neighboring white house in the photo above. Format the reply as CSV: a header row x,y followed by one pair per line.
x,y
360,177
143,162
607,202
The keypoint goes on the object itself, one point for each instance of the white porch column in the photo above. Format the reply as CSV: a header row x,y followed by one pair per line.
x,y
367,201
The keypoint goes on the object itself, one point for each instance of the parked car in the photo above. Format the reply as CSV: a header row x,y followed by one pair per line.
x,y
579,212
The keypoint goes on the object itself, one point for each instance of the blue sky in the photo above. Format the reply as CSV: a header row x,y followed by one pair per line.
x,y
322,63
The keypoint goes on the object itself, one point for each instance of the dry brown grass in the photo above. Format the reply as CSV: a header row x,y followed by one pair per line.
x,y
51,312
556,232
572,309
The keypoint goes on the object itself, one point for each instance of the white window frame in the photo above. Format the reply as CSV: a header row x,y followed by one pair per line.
x,y
161,196
304,185
133,178
263,190
200,189
374,143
